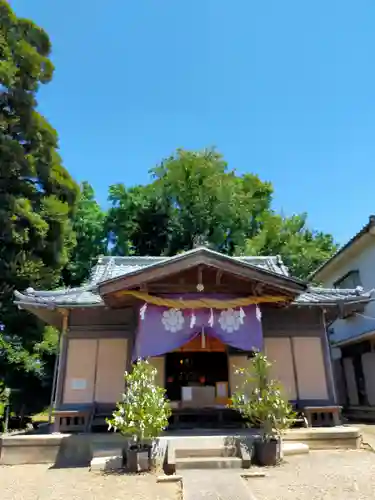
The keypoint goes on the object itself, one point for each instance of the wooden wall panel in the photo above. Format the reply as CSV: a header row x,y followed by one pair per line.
x,y
111,365
80,371
279,353
310,367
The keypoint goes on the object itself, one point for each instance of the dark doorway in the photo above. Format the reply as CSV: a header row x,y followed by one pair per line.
x,y
194,369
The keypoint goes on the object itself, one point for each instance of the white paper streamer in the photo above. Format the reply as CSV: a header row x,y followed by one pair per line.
x,y
242,315
258,313
211,319
142,311
193,319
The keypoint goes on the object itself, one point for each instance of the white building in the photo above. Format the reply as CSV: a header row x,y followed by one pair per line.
x,y
352,337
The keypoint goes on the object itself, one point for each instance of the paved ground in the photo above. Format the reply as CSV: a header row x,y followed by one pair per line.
x,y
321,475
38,482
214,485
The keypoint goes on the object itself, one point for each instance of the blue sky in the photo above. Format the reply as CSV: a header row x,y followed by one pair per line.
x,y
283,89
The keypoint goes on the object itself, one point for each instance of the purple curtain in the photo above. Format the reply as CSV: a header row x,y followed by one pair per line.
x,y
161,330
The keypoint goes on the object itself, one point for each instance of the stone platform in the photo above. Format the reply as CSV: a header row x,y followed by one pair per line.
x,y
80,449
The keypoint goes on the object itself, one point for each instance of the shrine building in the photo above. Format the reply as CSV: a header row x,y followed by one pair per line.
x,y
197,317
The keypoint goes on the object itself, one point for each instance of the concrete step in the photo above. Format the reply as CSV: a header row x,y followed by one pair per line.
x,y
208,463
222,451
289,449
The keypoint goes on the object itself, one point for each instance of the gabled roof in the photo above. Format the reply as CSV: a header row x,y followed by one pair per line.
x,y
369,228
111,268
265,268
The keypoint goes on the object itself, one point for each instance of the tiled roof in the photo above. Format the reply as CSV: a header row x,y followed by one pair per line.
x,y
109,268
317,295
87,296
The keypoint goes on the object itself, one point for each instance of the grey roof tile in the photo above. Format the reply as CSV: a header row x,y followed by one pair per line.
x,y
112,267
318,295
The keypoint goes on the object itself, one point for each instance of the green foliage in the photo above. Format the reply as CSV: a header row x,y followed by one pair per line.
x,y
37,196
143,411
195,199
139,220
261,400
91,239
301,249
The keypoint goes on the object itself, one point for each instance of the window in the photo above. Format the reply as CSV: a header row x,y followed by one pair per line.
x,y
350,280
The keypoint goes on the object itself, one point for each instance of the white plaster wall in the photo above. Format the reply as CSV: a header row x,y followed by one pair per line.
x,y
361,258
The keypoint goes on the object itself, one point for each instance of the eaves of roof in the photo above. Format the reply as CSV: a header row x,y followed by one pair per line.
x,y
369,227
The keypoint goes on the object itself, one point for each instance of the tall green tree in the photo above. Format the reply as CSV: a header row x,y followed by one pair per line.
x,y
210,202
91,238
193,199
37,194
139,221
301,249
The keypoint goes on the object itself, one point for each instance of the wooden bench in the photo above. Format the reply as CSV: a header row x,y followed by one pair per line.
x,y
74,420
322,416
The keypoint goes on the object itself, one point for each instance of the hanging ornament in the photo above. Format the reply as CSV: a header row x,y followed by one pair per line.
x,y
142,311
242,315
211,318
203,339
258,313
193,319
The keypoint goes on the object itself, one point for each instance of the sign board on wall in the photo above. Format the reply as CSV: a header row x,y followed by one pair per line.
x,y
78,384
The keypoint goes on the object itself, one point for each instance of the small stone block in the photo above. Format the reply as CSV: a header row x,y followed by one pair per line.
x,y
251,474
104,464
174,478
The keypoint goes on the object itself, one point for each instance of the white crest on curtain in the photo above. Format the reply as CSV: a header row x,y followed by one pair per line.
x,y
173,320
230,320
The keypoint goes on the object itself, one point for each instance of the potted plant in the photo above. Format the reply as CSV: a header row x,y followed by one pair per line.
x,y
262,404
141,415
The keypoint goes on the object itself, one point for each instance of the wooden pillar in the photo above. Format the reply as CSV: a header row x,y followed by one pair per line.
x,y
60,366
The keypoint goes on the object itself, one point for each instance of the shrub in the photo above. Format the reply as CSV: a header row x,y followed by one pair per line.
x,y
261,401
143,411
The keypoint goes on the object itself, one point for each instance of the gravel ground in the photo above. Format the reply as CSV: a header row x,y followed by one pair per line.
x,y
336,475
40,482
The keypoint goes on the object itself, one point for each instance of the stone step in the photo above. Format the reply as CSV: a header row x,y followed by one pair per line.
x,y
223,451
208,463
291,448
